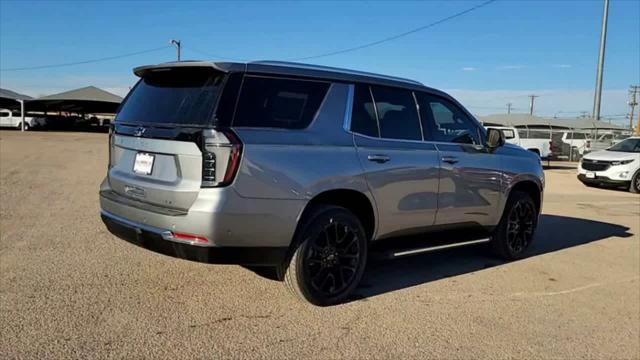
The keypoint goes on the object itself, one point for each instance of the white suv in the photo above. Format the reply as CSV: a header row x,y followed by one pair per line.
x,y
618,165
13,119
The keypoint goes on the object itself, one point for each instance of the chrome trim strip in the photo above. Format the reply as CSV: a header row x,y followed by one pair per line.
x,y
165,234
434,248
375,110
415,101
346,125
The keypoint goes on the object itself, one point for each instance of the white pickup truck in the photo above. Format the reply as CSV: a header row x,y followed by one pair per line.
x,y
536,141
13,119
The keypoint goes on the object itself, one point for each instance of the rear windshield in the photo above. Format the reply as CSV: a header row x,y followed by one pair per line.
x,y
176,96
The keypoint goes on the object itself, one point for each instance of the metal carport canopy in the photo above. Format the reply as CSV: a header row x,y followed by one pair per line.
x,y
11,99
87,100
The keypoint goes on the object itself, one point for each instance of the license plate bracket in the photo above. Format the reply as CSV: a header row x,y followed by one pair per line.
x,y
143,163
591,175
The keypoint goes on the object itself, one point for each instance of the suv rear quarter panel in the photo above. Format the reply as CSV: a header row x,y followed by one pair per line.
x,y
300,164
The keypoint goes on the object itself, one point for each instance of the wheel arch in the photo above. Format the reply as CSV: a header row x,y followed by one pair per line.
x,y
360,204
530,187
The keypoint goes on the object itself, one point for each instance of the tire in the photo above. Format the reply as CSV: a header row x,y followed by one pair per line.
x,y
26,126
330,257
514,233
634,187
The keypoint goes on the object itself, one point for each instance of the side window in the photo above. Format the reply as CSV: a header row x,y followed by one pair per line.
x,y
397,113
446,122
363,114
508,133
278,103
4,114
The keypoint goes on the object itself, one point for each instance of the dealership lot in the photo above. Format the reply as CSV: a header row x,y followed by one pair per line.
x,y
68,288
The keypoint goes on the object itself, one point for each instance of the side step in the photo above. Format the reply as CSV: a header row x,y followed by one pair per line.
x,y
409,252
401,248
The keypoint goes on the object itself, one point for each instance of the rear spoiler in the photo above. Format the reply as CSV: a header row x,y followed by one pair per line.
x,y
225,67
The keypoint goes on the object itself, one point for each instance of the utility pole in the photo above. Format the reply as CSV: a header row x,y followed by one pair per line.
x,y
603,40
177,44
633,101
532,99
509,108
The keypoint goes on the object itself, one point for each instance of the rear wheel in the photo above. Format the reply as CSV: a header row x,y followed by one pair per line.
x,y
330,258
26,126
515,231
634,187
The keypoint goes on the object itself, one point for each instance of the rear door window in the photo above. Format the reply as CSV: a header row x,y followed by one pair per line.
x,y
363,114
278,103
173,96
397,113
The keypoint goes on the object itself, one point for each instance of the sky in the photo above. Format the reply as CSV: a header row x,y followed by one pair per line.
x,y
491,56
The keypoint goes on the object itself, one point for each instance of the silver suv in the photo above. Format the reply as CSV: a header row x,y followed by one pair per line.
x,y
309,169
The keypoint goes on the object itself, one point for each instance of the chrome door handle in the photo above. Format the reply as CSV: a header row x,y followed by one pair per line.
x,y
450,159
379,158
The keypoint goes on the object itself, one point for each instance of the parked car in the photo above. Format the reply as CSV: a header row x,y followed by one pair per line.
x,y
13,119
538,144
618,165
601,142
298,168
579,142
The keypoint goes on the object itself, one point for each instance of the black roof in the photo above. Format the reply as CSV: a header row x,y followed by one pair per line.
x,y
295,69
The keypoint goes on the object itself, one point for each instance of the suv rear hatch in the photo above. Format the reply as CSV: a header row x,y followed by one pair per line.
x,y
163,147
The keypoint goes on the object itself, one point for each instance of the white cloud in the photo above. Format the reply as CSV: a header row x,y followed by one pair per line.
x,y
469,68
562,66
511,67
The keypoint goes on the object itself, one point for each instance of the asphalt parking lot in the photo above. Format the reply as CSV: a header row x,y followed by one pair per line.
x,y
70,289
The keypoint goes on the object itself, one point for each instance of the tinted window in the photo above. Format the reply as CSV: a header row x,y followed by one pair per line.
x,y
173,96
445,121
539,134
278,103
523,133
4,114
397,113
576,136
363,114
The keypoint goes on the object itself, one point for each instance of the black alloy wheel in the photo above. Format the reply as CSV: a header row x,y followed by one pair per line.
x,y
328,258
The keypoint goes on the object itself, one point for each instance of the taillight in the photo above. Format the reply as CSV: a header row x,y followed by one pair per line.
x,y
588,145
221,154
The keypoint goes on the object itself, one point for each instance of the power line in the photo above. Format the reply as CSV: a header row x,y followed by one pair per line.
x,y
211,56
394,37
86,61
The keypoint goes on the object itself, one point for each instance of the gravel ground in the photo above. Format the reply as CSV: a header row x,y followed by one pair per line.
x,y
70,289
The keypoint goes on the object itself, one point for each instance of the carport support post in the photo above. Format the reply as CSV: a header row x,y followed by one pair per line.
x,y
21,115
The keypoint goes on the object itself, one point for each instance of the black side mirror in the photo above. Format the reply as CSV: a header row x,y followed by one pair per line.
x,y
495,138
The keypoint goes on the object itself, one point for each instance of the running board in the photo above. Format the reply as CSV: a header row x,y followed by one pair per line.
x,y
409,252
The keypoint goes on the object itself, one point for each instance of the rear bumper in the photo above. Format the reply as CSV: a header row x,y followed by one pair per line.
x,y
153,239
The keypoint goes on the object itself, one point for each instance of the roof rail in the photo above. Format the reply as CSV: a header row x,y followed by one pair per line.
x,y
333,69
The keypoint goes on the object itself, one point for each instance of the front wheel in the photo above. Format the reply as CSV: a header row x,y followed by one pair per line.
x,y
634,187
26,126
514,233
330,258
